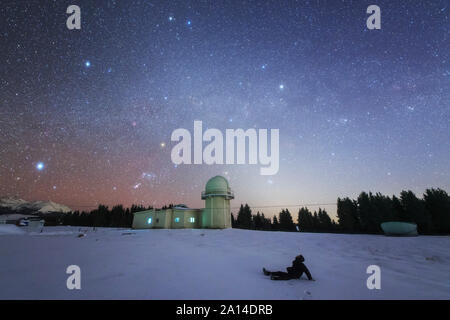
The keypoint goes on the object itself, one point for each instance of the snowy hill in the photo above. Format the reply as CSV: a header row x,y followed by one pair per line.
x,y
43,207
218,264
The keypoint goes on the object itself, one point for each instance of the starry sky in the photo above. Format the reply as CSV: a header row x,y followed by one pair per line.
x,y
86,115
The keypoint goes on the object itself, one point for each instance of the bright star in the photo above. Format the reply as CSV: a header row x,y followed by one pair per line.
x,y
40,166
87,64
189,22
281,86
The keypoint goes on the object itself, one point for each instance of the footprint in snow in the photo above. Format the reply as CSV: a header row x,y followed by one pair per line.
x,y
306,296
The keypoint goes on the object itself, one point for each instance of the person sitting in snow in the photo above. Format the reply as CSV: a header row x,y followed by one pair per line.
x,y
294,272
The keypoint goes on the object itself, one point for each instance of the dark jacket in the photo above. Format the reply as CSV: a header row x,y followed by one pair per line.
x,y
298,268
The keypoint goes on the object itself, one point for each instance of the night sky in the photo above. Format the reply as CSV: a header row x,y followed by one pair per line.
x,y
86,115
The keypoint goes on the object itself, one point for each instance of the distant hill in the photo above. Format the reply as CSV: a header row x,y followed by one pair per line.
x,y
41,208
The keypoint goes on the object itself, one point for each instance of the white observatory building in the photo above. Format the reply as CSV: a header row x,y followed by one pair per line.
x,y
215,215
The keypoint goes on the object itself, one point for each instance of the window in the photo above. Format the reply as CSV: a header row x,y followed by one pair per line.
x,y
192,219
177,219
149,221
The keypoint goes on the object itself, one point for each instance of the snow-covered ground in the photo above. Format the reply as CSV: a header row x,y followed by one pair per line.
x,y
217,264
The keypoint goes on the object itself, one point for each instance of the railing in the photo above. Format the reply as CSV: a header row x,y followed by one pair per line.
x,y
227,195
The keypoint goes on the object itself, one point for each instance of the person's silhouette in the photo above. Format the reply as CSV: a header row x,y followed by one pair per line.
x,y
294,272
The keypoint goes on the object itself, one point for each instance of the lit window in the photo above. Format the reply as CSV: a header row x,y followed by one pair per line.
x,y
192,220
177,219
149,221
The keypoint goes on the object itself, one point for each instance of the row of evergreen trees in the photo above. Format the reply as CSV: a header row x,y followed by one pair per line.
x,y
117,217
363,215
309,222
368,211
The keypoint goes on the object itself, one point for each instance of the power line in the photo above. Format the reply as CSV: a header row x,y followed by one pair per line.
x,y
292,205
251,206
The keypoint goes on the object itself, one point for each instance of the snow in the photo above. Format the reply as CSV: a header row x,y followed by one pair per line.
x,y
12,203
10,229
50,206
218,264
16,204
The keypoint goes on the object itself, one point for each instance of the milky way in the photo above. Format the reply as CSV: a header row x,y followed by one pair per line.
x,y
86,115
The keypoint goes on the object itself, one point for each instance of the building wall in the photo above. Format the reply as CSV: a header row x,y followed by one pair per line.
x,y
165,219
182,218
162,219
217,214
180,223
140,219
194,214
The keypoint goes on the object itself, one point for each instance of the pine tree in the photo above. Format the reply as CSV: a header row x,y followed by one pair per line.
x,y
244,218
267,224
304,220
399,213
437,203
347,212
415,211
275,224
286,222
324,221
258,221
364,211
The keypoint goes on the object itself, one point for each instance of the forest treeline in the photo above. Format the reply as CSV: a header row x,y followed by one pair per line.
x,y
116,217
431,213
307,221
362,215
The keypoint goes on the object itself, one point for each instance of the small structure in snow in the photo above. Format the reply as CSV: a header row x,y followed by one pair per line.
x,y
399,228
